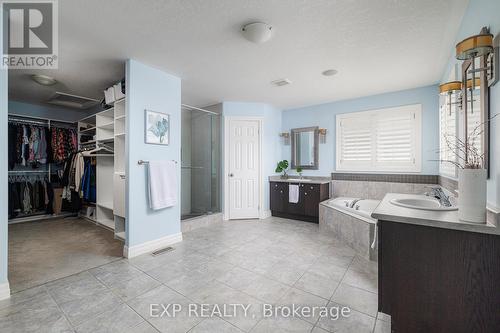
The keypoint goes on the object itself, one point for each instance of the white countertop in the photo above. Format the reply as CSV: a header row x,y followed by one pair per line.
x,y
386,211
305,180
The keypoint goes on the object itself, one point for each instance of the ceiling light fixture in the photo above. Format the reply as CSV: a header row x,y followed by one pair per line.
x,y
330,72
43,80
257,32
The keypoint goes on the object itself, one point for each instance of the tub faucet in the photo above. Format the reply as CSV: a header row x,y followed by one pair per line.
x,y
354,202
438,193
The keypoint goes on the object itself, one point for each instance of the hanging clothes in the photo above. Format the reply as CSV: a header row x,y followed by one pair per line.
x,y
89,181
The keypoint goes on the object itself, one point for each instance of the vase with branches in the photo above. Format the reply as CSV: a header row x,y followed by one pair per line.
x,y
470,162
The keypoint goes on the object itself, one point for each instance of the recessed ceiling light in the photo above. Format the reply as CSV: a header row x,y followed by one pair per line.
x,y
330,72
257,32
281,82
44,80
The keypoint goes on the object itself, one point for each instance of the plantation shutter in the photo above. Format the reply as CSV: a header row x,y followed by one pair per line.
x,y
381,140
356,141
394,138
447,137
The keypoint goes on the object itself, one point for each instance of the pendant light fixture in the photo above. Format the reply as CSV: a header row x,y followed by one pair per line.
x,y
474,46
477,46
450,88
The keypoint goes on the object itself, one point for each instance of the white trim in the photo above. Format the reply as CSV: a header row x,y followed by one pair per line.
x,y
4,291
148,247
225,170
264,214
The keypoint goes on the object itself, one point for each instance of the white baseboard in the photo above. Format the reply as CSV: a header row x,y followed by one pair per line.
x,y
4,291
264,214
148,247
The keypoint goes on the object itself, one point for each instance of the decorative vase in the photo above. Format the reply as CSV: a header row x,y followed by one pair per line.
x,y
472,195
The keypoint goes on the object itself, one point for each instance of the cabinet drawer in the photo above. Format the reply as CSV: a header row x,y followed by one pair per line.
x,y
119,195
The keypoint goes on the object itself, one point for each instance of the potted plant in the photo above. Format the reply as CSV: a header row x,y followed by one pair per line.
x,y
299,171
282,167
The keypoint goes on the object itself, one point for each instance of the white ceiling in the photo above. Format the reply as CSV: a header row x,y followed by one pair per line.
x,y
376,45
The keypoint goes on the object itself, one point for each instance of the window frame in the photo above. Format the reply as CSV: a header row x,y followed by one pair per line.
x,y
372,166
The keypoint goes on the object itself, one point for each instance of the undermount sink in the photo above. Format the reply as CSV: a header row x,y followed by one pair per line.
x,y
298,180
424,203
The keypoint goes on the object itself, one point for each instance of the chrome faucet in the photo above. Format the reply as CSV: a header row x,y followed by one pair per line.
x,y
438,193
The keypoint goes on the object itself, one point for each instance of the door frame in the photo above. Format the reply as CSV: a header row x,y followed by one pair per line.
x,y
225,168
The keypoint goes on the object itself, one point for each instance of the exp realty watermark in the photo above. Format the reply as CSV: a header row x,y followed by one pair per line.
x,y
30,34
158,310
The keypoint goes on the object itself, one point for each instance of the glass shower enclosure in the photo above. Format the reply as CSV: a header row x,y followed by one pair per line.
x,y
200,168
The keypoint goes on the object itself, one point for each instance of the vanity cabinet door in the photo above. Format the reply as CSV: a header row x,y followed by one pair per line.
x,y
297,208
311,193
279,196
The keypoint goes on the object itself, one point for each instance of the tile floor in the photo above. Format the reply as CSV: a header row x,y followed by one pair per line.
x,y
274,261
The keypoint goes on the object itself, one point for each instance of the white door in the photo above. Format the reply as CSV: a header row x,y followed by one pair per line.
x,y
243,171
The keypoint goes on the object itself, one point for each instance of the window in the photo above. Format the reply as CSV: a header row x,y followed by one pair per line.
x,y
448,135
386,140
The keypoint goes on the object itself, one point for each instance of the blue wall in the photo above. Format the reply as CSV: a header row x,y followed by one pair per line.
x,y
271,150
482,13
49,112
323,115
3,172
152,89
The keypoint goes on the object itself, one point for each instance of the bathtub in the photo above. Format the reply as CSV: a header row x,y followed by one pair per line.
x,y
356,207
349,220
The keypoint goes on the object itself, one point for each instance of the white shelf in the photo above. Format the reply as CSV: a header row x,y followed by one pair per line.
x,y
109,224
120,134
88,129
120,117
106,139
109,125
107,205
120,235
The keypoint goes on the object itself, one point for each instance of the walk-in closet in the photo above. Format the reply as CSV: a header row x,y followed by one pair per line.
x,y
66,178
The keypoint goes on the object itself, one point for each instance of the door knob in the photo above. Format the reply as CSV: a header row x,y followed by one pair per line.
x,y
231,175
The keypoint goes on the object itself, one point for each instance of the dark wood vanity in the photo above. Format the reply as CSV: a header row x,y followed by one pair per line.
x,y
307,208
435,275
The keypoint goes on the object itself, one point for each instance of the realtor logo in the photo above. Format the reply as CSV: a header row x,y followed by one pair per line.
x,y
30,38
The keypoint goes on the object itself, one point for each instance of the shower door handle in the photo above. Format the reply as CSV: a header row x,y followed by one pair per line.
x,y
231,175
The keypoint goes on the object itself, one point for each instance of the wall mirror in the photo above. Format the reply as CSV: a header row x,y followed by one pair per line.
x,y
305,148
475,106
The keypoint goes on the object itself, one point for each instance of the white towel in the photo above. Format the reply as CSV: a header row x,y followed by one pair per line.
x,y
162,184
293,193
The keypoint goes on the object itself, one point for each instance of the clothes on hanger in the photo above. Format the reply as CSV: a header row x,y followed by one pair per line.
x,y
32,145
88,187
28,196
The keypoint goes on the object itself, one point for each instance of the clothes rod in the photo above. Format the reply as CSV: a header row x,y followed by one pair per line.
x,y
141,162
198,109
40,118
28,171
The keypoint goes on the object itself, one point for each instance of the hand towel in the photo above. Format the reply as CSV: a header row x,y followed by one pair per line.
x,y
293,193
162,184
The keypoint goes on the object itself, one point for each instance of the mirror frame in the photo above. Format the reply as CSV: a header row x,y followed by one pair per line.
x,y
316,147
485,106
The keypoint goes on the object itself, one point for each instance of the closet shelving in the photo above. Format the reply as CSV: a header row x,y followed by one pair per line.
x,y
46,170
108,129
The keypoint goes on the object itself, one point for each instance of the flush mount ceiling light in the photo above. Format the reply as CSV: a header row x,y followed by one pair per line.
x,y
257,32
330,72
281,82
43,80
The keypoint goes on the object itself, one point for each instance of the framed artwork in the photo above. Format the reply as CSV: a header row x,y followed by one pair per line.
x,y
157,128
